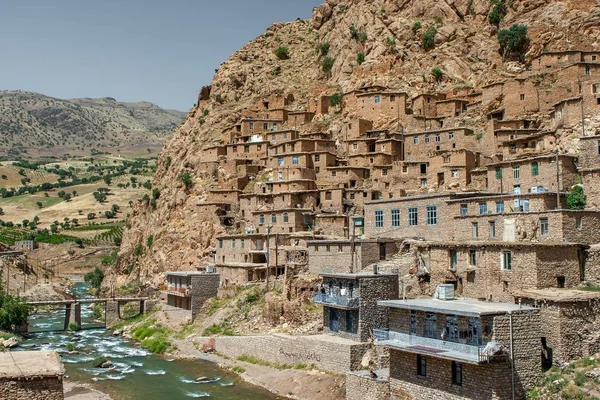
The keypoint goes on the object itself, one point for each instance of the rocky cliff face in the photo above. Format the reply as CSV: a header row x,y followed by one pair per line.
x,y
388,33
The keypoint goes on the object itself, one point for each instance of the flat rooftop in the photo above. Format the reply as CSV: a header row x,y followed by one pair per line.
x,y
187,273
28,364
559,295
458,306
358,275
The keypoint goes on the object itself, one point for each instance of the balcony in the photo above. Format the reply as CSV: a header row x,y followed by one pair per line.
x,y
463,352
336,301
175,291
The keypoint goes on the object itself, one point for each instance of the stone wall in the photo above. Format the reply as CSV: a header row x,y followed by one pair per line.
x,y
203,288
362,387
49,388
326,352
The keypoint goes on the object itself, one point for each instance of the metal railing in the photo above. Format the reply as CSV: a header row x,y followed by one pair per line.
x,y
342,301
471,351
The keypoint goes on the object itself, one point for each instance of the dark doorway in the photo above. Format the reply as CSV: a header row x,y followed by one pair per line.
x,y
382,252
334,319
546,355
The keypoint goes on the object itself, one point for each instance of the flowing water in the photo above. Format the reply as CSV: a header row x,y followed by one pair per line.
x,y
136,373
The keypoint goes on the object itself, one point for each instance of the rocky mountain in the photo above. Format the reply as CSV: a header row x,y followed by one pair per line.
x,y
346,45
33,120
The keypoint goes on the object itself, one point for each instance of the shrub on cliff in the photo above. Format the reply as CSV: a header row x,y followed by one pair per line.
x,y
428,38
282,53
327,65
437,74
497,12
324,48
186,179
360,58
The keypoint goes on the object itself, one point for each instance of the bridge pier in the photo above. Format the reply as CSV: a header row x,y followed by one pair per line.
x,y
72,315
113,313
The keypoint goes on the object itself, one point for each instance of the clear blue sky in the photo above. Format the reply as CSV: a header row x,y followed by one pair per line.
x,y
162,51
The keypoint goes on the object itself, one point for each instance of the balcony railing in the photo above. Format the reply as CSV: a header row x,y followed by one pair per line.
x,y
334,300
442,348
176,291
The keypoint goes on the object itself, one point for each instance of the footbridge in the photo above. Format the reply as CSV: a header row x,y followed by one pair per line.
x,y
112,308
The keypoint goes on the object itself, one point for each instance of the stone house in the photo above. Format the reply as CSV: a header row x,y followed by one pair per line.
x,y
31,375
377,103
589,167
189,290
522,144
521,175
451,107
346,255
297,118
254,126
251,150
425,104
461,348
554,59
419,145
498,270
569,323
349,302
284,220
318,105
26,245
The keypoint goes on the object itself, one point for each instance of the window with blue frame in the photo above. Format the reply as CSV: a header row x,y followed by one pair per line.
x,y
378,219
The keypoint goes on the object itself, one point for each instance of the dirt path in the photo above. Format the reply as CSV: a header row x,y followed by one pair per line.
x,y
81,391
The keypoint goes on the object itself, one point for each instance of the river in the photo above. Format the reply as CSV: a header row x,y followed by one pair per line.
x,y
136,373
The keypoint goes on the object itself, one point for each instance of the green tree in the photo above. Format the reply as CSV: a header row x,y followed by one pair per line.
x,y
282,52
437,74
107,180
324,49
513,40
336,99
94,278
91,216
39,204
13,311
150,240
576,200
53,229
354,32
67,197
497,12
148,185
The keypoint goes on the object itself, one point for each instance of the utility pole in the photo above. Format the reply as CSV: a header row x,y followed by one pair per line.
x,y
276,256
582,111
268,244
353,247
557,181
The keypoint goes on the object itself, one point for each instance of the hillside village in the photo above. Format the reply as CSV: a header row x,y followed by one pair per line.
x,y
507,218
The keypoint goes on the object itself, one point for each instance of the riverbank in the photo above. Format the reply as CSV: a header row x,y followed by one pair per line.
x,y
290,383
82,391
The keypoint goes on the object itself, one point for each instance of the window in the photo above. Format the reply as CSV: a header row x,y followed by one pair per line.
x,y
431,215
233,243
499,207
426,138
295,160
378,219
243,243
507,260
317,157
405,167
535,168
522,97
413,322
261,220
446,159
412,216
384,171
464,209
265,126
498,173
544,227
377,99
560,282
430,329
246,149
482,208
423,182
327,195
220,243
333,173
392,98
452,328
280,161
454,173
457,373
421,365
453,259
396,217
472,257
516,172
475,228
437,138
415,140
286,217
492,229
274,218
588,70
354,146
423,167
285,135
517,189
451,136
251,126
578,223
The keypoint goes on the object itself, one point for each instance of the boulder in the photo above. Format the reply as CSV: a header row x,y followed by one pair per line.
x,y
106,364
10,343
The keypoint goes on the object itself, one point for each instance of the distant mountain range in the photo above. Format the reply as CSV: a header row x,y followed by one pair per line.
x,y
32,120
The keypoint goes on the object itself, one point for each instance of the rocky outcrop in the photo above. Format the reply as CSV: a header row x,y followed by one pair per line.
x,y
388,34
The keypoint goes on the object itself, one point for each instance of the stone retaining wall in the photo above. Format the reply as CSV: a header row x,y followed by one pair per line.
x,y
327,353
362,387
50,388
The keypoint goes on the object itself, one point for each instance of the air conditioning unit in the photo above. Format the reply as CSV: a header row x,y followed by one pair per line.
x,y
445,291
534,189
